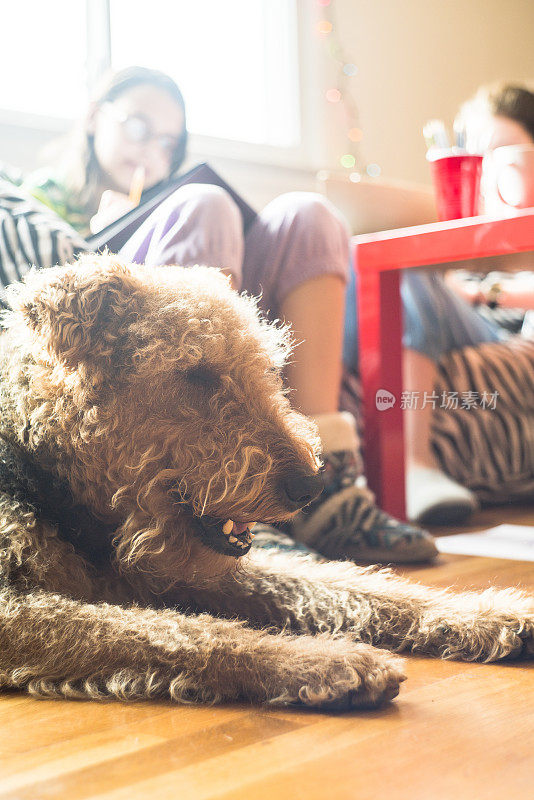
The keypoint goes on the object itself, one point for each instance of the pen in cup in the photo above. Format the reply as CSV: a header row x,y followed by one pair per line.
x,y
436,135
460,134
455,171
137,185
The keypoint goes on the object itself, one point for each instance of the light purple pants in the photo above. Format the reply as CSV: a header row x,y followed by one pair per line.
x,y
297,237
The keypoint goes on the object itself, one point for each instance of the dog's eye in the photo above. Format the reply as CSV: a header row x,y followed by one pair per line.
x,y
202,376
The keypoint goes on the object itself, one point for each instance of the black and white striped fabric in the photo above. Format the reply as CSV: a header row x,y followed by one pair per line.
x,y
488,446
31,234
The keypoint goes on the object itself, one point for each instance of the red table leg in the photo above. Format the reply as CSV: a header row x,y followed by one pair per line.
x,y
380,359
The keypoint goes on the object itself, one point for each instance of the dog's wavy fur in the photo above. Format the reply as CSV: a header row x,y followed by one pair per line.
x,y
135,401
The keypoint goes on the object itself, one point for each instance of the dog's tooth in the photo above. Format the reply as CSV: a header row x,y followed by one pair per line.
x,y
228,527
232,539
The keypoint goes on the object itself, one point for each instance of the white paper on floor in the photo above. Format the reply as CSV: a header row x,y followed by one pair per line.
x,y
504,541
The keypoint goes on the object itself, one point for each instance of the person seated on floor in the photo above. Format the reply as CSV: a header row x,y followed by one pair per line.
x,y
441,316
295,255
500,115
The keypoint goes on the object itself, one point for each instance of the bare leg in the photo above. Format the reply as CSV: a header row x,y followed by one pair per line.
x,y
315,309
419,377
344,521
233,279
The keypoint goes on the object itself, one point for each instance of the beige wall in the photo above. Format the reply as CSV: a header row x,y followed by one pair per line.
x,y
419,59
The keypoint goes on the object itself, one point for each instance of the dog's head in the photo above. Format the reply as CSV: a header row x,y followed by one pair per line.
x,y
157,393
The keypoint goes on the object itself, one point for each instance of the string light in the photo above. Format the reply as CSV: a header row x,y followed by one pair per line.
x,y
324,27
333,95
334,49
355,134
373,170
341,94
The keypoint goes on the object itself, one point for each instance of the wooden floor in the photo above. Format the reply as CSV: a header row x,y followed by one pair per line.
x,y
455,731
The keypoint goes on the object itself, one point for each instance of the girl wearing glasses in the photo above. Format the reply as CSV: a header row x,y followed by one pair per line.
x,y
137,120
295,254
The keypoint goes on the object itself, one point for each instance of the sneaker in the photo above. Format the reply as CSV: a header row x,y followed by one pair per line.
x,y
345,523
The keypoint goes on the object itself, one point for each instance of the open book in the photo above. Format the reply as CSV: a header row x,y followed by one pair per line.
x,y
115,235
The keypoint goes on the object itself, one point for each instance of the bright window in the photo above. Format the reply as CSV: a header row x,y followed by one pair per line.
x,y
234,60
43,57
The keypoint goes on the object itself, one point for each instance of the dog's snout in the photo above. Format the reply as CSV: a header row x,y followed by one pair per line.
x,y
302,489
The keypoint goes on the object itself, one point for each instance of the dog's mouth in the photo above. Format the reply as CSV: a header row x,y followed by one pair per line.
x,y
229,537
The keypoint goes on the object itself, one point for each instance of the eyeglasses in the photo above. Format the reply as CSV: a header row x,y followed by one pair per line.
x,y
137,129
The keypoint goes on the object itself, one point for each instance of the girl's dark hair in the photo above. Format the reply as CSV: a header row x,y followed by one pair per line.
x,y
514,102
81,169
509,100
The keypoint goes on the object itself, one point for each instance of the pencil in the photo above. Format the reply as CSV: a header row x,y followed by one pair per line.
x,y
137,185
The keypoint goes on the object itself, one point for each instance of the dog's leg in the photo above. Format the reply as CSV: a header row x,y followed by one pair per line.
x,y
377,607
56,647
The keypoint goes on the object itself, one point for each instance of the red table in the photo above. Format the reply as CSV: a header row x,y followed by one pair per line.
x,y
378,259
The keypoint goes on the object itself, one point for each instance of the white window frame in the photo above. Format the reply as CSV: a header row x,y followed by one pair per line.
x,y
305,155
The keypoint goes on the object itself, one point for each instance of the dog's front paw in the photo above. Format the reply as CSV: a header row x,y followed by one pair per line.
x,y
526,634
338,675
490,627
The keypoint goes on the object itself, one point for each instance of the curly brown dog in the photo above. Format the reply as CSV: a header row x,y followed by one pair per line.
x,y
144,429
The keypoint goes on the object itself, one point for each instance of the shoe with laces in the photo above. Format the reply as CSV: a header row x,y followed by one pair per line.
x,y
344,522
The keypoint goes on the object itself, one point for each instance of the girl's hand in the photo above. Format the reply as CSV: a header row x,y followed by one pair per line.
x,y
468,289
514,291
112,206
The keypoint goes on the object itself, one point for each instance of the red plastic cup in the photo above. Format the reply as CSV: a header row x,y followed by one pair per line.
x,y
456,181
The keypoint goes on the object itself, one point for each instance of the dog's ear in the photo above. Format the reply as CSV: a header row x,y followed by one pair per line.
x,y
79,311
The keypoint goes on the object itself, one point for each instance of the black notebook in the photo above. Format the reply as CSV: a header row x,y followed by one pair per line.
x,y
115,235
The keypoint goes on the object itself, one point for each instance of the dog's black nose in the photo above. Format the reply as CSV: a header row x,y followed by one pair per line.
x,y
302,489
